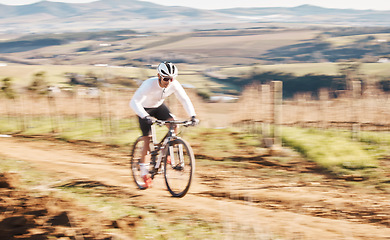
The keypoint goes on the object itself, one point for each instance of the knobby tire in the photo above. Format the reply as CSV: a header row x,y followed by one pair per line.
x,y
178,178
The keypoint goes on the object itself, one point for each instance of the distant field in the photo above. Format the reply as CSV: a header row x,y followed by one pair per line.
x,y
23,74
188,74
299,69
55,74
346,40
231,49
211,48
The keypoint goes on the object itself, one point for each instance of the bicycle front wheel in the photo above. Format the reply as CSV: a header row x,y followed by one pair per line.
x,y
179,167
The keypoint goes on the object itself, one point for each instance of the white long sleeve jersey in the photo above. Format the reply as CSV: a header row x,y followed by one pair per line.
x,y
151,95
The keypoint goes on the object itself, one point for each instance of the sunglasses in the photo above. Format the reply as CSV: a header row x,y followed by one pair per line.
x,y
167,79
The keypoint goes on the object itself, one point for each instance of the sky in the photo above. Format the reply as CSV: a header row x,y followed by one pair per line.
x,y
220,4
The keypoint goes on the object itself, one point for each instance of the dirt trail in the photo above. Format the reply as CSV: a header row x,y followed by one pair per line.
x,y
288,207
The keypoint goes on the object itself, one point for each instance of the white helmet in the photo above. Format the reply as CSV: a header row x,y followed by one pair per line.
x,y
167,69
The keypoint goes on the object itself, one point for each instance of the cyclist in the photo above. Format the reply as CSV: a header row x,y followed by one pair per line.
x,y
148,101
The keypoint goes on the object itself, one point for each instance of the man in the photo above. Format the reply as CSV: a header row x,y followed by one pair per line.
x,y
148,101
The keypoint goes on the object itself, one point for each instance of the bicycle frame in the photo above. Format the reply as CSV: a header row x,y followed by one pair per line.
x,y
161,146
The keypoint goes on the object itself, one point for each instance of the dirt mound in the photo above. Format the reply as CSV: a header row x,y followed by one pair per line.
x,y
26,215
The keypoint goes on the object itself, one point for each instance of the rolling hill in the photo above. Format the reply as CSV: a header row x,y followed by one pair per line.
x,y
47,16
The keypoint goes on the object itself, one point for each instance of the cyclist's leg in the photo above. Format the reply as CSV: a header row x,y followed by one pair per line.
x,y
145,162
163,113
145,154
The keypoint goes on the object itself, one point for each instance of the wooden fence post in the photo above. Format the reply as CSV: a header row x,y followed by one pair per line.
x,y
323,108
277,96
356,93
53,113
23,112
102,112
266,105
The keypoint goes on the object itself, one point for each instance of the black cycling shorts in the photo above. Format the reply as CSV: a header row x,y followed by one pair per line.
x,y
161,113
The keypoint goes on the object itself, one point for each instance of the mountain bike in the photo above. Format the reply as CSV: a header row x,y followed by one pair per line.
x,y
172,156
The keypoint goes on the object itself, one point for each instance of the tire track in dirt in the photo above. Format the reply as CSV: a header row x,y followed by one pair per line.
x,y
74,164
310,198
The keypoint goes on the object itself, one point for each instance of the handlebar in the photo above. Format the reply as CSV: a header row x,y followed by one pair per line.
x,y
185,123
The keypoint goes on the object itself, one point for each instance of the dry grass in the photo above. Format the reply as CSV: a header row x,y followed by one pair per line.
x,y
369,109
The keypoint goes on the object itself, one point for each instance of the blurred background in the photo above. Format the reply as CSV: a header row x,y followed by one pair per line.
x,y
324,57
269,82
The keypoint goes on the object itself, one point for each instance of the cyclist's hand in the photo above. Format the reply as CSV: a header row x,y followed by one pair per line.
x,y
194,121
148,120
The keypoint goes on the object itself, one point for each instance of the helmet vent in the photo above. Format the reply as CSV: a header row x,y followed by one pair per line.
x,y
169,67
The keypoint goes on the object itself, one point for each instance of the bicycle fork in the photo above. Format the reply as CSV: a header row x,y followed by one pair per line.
x,y
180,155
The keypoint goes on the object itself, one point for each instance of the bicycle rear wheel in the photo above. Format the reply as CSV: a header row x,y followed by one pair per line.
x,y
135,159
179,167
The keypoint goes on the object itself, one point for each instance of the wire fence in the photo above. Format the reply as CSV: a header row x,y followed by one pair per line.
x,y
260,108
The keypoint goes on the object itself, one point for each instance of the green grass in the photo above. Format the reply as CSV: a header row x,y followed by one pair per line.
x,y
9,125
222,143
179,228
28,175
381,138
377,143
332,151
95,198
120,132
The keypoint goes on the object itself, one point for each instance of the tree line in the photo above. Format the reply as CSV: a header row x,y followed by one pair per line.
x,y
311,83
